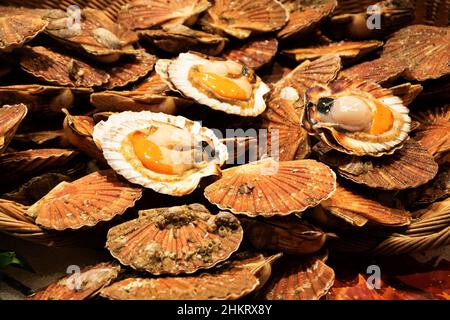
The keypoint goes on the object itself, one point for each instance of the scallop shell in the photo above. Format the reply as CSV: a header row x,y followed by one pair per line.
x,y
240,18
296,279
275,73
178,72
357,209
432,12
112,137
60,69
309,15
436,189
41,139
179,38
289,235
255,53
80,286
152,84
348,50
359,143
175,240
425,51
407,92
10,118
409,167
144,14
267,188
18,29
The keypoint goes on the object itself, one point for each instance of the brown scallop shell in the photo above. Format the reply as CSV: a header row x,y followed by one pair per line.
x,y
255,53
175,240
408,167
424,50
80,286
290,235
10,118
152,84
240,18
144,14
179,38
358,209
407,92
60,69
308,16
267,188
276,73
44,138
100,196
18,29
298,279
432,12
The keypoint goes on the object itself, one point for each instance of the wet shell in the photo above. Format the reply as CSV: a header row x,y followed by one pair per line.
x,y
268,188
179,38
179,70
296,279
10,118
357,209
175,240
80,286
254,54
144,14
359,142
347,50
19,29
240,18
229,284
425,51
60,69
100,196
289,235
307,17
409,167
112,136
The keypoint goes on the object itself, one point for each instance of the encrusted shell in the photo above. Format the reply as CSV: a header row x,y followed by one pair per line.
x,y
10,118
255,53
268,188
144,14
60,69
175,240
240,18
17,29
80,286
112,136
358,209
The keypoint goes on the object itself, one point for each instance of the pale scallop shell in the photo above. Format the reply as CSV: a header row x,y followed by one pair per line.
x,y
10,118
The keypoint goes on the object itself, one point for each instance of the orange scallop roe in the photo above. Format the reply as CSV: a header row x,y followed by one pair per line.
x,y
382,119
222,86
149,153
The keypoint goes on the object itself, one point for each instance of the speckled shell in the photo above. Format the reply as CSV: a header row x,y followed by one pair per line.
x,y
100,196
10,118
18,29
240,18
425,51
144,14
178,71
175,240
357,209
268,188
255,53
111,134
81,286
60,69
409,167
359,143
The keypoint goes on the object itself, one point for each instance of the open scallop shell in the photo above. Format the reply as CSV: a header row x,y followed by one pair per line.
x,y
175,240
407,92
358,142
10,118
268,188
178,72
60,69
255,53
357,209
424,50
100,196
240,18
80,286
18,29
409,167
112,136
144,14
